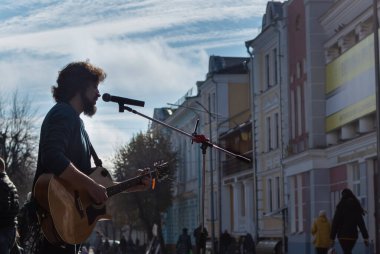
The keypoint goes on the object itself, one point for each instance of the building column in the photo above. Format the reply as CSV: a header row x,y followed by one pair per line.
x,y
227,212
237,212
249,213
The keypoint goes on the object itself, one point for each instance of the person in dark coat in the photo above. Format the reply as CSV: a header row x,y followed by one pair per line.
x,y
225,241
123,244
184,245
9,208
200,235
347,219
249,244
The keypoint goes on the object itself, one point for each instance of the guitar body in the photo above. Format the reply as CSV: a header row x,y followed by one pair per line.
x,y
67,214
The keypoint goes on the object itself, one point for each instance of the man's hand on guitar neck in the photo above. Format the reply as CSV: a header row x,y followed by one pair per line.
x,y
146,184
97,192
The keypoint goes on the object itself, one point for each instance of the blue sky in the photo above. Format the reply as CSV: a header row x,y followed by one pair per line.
x,y
152,50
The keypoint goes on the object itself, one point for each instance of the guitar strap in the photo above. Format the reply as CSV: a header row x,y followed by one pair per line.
x,y
98,162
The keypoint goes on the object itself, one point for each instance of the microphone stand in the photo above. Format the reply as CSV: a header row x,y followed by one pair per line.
x,y
198,138
194,137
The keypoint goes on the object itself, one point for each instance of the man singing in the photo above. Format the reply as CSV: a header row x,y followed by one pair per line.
x,y
64,147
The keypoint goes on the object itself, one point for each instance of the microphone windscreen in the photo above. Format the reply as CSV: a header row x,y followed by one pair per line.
x,y
106,97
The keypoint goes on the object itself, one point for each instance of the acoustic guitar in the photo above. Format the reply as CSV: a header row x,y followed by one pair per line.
x,y
67,214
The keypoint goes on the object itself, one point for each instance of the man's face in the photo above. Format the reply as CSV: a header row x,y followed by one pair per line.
x,y
89,98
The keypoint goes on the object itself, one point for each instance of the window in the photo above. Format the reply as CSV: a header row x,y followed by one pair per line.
x,y
304,66
276,131
213,103
293,113
299,110
270,195
299,70
232,210
269,134
292,204
299,204
335,197
242,203
296,204
356,179
298,23
275,66
278,193
267,71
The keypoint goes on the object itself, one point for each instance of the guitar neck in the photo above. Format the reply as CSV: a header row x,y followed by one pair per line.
x,y
122,186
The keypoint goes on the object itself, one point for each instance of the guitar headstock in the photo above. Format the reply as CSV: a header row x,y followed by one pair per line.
x,y
159,172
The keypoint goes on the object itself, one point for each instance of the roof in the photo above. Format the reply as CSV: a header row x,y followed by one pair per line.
x,y
227,65
273,12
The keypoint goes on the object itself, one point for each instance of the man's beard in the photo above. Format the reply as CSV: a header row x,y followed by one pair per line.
x,y
89,108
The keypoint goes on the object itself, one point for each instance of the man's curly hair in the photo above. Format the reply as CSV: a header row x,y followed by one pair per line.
x,y
76,76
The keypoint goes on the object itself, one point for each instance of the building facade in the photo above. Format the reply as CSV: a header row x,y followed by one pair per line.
x,y
268,68
201,196
303,107
305,168
228,124
185,210
350,102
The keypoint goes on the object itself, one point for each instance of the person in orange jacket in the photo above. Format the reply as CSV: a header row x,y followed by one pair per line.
x,y
321,230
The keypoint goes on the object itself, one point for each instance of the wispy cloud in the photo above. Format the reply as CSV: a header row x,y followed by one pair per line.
x,y
153,50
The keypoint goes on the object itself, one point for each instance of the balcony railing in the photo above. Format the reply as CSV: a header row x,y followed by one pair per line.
x,y
233,165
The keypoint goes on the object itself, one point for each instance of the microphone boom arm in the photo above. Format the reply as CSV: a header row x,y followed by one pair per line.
x,y
194,137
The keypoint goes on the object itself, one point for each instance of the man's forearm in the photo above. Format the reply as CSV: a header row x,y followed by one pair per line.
x,y
73,175
78,178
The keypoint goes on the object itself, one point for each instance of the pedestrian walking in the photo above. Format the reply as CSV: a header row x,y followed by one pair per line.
x,y
347,219
249,246
123,244
225,241
200,235
321,231
184,245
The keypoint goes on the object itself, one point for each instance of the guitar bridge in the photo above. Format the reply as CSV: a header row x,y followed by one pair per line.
x,y
78,204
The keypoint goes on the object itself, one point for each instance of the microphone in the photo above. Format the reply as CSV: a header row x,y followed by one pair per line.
x,y
107,97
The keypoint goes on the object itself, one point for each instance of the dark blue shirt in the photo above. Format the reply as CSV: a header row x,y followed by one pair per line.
x,y
63,139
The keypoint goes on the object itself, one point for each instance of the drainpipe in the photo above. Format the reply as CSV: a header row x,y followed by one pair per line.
x,y
256,217
377,80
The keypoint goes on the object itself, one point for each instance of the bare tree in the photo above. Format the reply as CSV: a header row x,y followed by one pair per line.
x,y
18,140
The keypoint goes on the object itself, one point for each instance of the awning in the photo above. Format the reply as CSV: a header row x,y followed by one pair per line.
x,y
269,247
